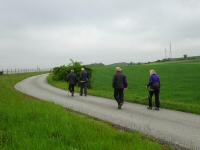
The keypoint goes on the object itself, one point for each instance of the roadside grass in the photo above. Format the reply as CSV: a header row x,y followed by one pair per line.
x,y
27,123
180,84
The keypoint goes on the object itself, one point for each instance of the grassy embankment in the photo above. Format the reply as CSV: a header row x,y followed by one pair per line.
x,y
180,84
26,123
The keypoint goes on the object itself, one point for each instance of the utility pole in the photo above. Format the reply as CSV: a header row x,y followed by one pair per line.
x,y
165,53
170,50
38,69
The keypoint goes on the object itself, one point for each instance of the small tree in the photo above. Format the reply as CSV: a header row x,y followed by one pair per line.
x,y
60,73
185,56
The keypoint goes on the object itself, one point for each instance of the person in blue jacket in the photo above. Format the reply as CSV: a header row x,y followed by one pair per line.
x,y
154,89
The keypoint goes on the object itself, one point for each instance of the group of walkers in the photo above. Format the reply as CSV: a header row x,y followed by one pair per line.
x,y
72,80
119,84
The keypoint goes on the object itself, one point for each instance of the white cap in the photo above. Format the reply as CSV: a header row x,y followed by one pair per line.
x,y
118,69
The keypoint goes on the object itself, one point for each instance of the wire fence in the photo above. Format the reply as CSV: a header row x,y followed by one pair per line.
x,y
18,71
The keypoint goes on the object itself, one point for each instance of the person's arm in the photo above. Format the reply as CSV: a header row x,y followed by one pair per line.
x,y
125,82
113,82
80,79
76,79
149,83
88,76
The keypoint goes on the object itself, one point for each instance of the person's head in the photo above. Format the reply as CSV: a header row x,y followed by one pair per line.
x,y
152,71
82,69
118,69
72,70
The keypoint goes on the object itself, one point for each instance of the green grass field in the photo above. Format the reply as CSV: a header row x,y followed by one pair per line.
x,y
180,84
29,124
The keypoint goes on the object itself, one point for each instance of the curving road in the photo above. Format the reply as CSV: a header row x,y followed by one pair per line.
x,y
175,127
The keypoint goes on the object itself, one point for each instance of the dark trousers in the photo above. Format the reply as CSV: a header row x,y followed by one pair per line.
x,y
157,98
83,88
71,88
119,95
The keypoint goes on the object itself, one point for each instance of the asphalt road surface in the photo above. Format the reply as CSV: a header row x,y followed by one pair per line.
x,y
174,127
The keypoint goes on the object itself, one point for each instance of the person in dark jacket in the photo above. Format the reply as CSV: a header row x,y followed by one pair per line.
x,y
72,79
119,83
84,78
154,89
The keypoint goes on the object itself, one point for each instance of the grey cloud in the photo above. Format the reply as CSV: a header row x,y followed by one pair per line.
x,y
132,30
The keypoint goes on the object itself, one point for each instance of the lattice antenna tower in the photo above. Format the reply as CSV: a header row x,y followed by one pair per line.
x,y
170,50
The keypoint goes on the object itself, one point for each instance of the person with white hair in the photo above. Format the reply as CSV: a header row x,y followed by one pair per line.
x,y
84,78
154,89
72,79
119,83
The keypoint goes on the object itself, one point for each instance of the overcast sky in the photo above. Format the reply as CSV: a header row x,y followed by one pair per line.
x,y
50,32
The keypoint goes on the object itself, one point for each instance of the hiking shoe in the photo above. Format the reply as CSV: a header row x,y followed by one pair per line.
x,y
156,108
150,108
120,106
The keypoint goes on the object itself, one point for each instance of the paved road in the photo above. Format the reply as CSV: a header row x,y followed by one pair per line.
x,y
171,126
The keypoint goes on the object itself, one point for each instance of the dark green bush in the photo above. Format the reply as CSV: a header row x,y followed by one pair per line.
x,y
60,73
